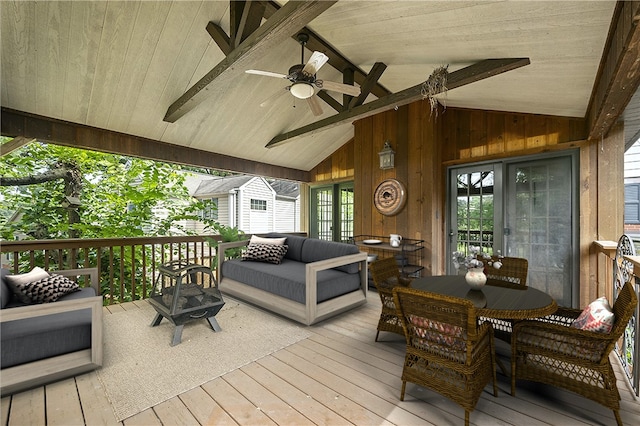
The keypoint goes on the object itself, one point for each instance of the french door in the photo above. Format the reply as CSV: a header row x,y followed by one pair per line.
x,y
332,212
521,208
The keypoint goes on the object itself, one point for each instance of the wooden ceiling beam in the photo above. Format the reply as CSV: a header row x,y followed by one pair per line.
x,y
220,37
284,23
322,94
472,73
336,59
619,72
19,124
368,84
246,17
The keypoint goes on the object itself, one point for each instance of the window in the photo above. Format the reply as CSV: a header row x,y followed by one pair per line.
x,y
210,210
632,203
258,204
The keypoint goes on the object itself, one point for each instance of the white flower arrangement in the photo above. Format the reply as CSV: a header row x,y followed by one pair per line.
x,y
473,259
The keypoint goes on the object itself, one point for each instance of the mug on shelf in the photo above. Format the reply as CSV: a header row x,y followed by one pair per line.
x,y
394,240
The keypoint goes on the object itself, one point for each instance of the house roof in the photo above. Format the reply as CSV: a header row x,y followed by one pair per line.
x,y
285,188
222,185
128,66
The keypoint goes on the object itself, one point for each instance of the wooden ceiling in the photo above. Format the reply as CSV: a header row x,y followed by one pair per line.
x,y
121,66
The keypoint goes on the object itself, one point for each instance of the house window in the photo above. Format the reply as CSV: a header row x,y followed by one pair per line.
x,y
210,210
632,203
258,204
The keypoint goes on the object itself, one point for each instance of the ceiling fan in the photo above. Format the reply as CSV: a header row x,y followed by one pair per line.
x,y
303,78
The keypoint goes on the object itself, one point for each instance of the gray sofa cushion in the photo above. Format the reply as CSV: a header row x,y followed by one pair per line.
x,y
288,279
295,243
36,338
314,250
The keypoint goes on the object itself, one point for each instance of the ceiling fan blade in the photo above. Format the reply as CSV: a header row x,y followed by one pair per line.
x,y
314,105
347,89
268,101
266,73
316,61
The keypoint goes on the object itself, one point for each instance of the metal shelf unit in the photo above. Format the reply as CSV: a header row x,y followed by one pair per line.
x,y
408,255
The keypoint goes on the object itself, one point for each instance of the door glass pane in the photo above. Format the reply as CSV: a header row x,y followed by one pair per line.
x,y
474,211
539,223
324,213
346,213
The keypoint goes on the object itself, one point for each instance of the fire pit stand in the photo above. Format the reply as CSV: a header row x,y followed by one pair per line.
x,y
185,292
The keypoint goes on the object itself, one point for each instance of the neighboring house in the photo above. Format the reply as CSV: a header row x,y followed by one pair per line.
x,y
287,205
250,203
632,191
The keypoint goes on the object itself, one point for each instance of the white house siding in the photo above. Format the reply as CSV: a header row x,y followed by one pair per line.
x,y
632,164
256,221
287,215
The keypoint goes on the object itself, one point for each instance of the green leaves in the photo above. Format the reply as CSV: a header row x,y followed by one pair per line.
x,y
121,196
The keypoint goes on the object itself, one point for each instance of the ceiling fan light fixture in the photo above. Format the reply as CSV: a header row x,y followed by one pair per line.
x,y
302,90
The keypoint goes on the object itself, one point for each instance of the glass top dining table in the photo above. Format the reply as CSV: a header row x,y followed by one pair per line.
x,y
494,301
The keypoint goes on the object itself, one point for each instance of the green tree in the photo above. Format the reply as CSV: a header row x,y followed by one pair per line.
x,y
118,196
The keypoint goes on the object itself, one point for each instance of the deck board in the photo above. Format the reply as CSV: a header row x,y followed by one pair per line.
x,y
339,375
205,409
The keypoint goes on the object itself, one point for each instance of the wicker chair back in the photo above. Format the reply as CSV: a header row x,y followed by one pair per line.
x,y
386,276
551,351
446,350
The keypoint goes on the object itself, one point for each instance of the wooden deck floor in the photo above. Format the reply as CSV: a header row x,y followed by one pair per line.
x,y
337,376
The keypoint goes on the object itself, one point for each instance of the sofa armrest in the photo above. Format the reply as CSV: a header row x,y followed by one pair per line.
x,y
92,273
222,248
25,376
312,269
93,303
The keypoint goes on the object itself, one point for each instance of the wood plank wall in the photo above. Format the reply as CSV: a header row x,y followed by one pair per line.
x,y
425,147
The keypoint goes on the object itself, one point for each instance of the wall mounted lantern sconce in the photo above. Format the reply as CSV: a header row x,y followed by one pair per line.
x,y
386,156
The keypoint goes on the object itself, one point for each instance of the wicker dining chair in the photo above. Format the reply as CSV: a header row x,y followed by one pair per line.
x,y
512,273
447,351
550,351
386,276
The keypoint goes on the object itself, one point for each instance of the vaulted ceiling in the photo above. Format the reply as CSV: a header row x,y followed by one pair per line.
x,y
123,65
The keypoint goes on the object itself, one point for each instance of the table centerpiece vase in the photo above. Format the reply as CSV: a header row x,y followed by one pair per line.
x,y
475,277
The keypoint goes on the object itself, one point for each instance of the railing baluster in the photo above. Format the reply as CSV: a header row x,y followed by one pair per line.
x,y
112,263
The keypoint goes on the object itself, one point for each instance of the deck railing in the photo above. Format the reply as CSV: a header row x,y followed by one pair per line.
x,y
127,266
628,348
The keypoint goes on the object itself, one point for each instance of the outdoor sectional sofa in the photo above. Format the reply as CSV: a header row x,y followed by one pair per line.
x,y
45,342
315,280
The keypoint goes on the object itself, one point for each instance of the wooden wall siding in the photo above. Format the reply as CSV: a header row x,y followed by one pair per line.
x,y
339,166
426,146
470,134
418,166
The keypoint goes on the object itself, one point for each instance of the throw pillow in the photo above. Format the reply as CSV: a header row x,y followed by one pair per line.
x,y
270,253
16,282
597,317
261,240
46,290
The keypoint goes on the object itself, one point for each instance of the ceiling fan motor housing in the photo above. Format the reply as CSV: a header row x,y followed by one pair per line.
x,y
297,75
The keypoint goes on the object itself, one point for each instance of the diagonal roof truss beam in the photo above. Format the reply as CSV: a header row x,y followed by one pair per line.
x,y
476,72
281,25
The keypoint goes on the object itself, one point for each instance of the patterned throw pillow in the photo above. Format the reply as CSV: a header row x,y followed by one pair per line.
x,y
17,281
597,317
45,290
270,253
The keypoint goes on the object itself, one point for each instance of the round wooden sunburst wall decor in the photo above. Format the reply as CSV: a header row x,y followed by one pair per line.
x,y
389,197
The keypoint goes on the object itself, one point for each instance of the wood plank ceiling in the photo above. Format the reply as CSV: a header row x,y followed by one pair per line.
x,y
120,66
